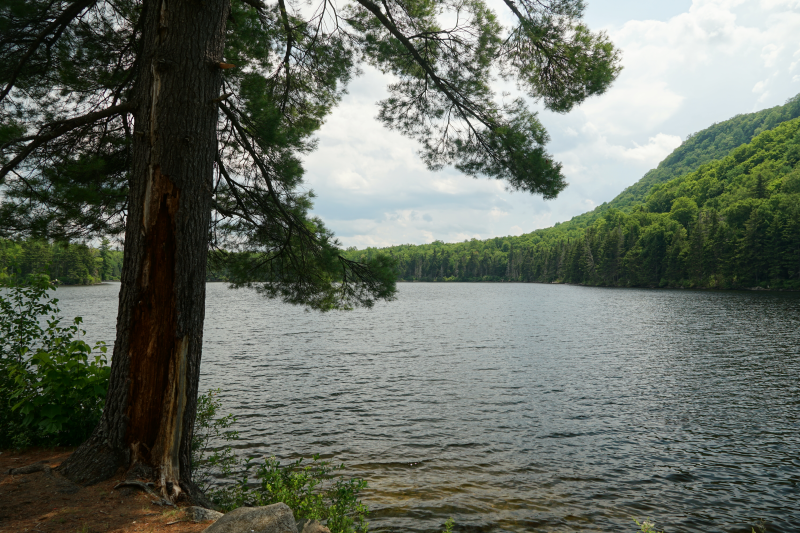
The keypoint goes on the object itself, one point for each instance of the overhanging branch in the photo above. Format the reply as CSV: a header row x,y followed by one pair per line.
x,y
57,26
60,128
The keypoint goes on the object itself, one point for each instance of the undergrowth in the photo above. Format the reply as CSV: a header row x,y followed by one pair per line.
x,y
313,490
52,383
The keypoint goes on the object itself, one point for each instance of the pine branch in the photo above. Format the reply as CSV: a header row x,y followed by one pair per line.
x,y
59,129
57,27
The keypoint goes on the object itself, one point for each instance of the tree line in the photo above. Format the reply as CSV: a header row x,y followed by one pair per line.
x,y
733,222
62,262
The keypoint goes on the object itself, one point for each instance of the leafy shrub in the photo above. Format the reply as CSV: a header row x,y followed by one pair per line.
x,y
313,491
52,384
210,429
646,526
448,525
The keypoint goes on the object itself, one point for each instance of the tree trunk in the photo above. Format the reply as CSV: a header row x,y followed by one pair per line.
x,y
150,408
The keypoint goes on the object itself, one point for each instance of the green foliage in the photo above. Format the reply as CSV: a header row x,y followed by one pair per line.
x,y
67,99
703,147
448,525
646,526
733,222
708,145
313,491
212,429
52,383
64,263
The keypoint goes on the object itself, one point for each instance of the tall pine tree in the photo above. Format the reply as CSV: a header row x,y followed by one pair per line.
x,y
182,124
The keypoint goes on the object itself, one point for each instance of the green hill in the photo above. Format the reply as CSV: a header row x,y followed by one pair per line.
x,y
715,213
712,143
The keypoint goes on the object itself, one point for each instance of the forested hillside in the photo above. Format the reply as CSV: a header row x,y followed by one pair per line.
x,y
732,222
70,264
712,143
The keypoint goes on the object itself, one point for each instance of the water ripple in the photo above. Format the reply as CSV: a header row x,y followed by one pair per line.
x,y
522,407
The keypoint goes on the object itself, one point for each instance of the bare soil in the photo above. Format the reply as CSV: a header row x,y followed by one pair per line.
x,y
47,502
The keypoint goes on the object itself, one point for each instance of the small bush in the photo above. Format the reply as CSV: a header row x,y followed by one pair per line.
x,y
210,429
313,491
448,525
52,384
646,526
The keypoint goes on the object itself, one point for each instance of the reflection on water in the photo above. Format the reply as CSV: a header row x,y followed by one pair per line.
x,y
522,407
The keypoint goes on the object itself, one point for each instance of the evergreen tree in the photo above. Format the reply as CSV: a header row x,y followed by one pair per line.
x,y
106,267
183,124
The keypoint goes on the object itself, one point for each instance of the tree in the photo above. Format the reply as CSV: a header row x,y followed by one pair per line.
x,y
182,123
105,260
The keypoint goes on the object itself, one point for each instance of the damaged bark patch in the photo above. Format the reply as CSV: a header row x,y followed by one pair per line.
x,y
155,350
165,452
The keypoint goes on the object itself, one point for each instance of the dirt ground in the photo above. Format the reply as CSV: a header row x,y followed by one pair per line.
x,y
42,502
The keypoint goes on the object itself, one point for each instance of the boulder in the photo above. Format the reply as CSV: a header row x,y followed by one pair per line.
x,y
276,518
311,526
201,514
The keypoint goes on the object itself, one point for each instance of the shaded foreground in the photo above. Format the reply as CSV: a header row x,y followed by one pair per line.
x,y
49,503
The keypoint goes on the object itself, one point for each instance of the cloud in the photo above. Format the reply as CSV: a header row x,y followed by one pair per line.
x,y
788,4
348,179
656,149
770,54
682,73
760,87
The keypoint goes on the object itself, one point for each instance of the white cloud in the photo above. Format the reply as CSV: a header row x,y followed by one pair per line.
x,y
656,149
348,179
681,74
497,213
770,54
772,4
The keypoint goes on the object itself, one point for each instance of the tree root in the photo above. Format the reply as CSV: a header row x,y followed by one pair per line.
x,y
148,488
40,466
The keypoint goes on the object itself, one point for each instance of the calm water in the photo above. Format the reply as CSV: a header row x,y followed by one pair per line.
x,y
521,407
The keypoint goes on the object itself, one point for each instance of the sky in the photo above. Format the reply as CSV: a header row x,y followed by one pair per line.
x,y
687,64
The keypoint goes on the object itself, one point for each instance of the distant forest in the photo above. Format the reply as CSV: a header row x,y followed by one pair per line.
x,y
722,211
69,264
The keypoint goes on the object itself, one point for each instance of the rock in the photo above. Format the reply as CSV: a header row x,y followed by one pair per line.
x,y
201,514
311,526
276,518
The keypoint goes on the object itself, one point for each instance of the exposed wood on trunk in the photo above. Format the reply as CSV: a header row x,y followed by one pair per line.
x,y
151,404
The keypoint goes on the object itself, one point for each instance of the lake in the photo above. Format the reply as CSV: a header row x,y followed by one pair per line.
x,y
520,407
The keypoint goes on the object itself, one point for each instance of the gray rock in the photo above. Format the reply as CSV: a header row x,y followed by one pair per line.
x,y
201,514
276,518
311,526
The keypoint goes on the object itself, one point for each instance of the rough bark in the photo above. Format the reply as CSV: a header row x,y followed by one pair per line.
x,y
151,403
